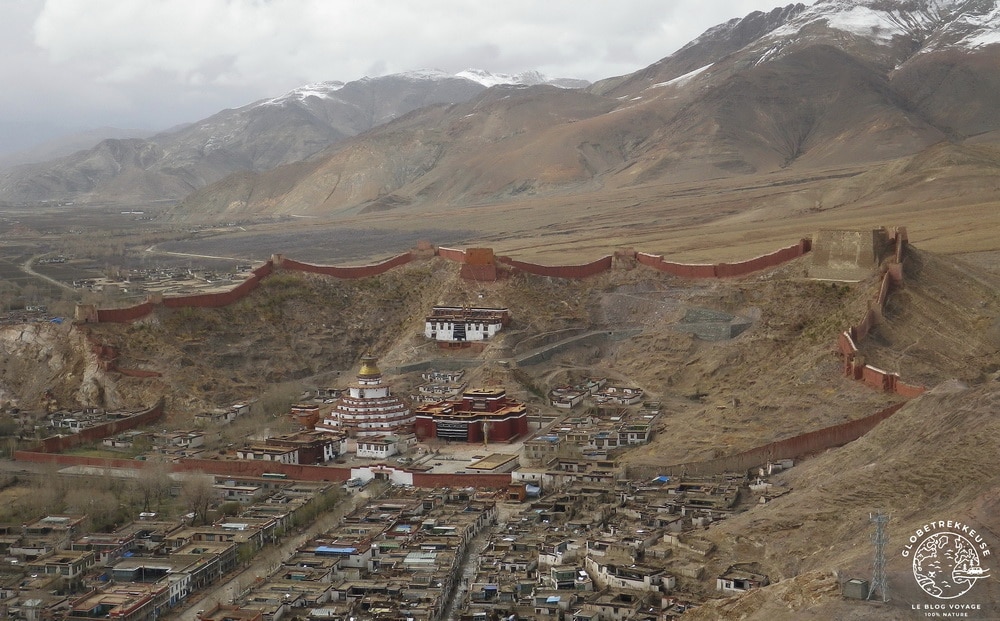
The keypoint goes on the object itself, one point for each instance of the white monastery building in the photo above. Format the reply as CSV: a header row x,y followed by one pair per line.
x,y
460,324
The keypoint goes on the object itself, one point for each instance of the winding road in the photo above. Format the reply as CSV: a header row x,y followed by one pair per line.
x,y
27,268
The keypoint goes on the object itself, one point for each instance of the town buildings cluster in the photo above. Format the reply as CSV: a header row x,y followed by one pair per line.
x,y
54,568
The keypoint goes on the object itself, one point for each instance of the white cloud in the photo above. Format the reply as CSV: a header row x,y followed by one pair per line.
x,y
159,62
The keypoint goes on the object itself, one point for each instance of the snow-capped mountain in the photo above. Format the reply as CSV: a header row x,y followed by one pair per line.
x,y
527,78
827,86
911,26
321,90
254,137
327,90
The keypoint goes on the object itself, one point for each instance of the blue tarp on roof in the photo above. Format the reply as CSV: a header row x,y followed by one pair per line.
x,y
662,479
553,599
329,550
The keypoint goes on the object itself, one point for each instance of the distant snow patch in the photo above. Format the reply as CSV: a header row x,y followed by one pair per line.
x,y
488,79
320,90
683,78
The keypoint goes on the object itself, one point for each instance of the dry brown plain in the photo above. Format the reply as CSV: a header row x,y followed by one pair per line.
x,y
947,198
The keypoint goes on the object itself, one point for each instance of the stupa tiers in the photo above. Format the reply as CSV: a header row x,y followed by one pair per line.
x,y
368,408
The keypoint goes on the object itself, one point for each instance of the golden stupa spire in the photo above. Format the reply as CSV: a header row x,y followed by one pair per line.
x,y
369,366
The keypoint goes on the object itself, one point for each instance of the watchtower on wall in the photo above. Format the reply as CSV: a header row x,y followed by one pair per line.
x,y
480,265
846,255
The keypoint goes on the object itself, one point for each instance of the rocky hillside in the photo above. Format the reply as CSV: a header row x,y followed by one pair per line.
x,y
255,137
800,88
775,379
934,459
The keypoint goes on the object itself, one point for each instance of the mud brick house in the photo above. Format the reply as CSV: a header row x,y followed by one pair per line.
x,y
313,447
740,578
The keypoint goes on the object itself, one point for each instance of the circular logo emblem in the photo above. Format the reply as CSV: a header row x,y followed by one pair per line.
x,y
946,565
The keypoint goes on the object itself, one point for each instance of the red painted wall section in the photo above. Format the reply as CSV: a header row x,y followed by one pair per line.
x,y
561,271
246,468
361,271
124,315
491,481
478,272
726,270
58,444
908,390
796,446
847,342
208,300
860,332
682,270
451,254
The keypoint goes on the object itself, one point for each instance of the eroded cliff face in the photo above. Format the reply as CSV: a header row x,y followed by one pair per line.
x,y
52,365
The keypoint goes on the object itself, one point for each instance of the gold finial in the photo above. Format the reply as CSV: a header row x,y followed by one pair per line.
x,y
369,366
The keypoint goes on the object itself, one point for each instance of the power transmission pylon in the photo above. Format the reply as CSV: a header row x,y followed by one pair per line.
x,y
879,538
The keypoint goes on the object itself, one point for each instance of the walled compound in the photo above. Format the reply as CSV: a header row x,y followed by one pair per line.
x,y
595,572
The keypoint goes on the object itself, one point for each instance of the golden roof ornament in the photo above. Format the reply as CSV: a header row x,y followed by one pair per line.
x,y
369,366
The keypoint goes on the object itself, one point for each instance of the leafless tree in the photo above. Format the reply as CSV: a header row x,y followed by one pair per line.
x,y
198,495
153,484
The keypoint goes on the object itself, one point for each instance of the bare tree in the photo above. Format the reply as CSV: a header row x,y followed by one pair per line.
x,y
153,483
198,495
100,506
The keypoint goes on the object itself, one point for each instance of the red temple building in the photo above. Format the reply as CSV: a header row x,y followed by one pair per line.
x,y
481,415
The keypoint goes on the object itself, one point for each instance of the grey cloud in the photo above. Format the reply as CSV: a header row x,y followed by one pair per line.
x,y
156,64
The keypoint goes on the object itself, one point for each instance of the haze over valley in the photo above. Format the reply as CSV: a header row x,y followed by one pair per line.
x,y
784,235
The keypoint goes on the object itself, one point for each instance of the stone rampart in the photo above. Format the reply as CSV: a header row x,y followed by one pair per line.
x,y
477,264
789,448
360,271
725,270
847,343
561,271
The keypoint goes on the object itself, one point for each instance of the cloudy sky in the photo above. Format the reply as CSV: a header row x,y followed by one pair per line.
x,y
71,65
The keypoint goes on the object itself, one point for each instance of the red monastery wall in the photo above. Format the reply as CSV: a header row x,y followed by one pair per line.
x,y
451,254
475,267
361,271
124,315
493,481
561,271
249,468
796,446
726,270
58,444
847,343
